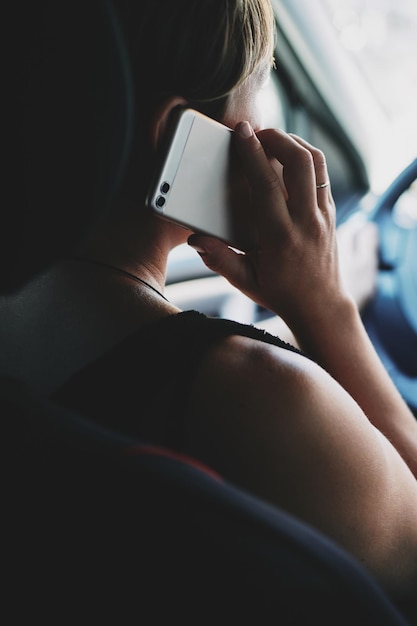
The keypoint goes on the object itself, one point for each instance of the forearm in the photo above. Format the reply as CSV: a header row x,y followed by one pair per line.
x,y
343,348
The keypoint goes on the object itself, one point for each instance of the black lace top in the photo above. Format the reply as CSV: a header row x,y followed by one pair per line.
x,y
150,372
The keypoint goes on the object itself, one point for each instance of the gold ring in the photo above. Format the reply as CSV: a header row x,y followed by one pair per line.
x,y
323,185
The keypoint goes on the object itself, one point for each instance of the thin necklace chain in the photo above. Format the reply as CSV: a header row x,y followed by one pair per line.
x,y
119,270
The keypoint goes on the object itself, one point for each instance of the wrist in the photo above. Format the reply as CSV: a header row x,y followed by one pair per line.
x,y
321,332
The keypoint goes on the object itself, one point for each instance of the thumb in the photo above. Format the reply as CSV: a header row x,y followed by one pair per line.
x,y
218,257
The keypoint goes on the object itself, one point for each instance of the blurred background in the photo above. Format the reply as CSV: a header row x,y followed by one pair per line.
x,y
381,38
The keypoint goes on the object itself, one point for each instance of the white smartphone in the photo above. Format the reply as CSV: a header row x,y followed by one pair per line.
x,y
199,183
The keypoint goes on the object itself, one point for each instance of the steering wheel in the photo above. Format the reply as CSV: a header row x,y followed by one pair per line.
x,y
391,316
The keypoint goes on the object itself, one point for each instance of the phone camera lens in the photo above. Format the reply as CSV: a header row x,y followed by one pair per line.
x,y
165,187
160,201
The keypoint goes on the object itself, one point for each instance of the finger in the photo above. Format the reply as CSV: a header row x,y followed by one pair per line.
x,y
298,170
320,167
221,259
263,172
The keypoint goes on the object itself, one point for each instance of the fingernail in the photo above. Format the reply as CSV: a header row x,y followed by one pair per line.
x,y
199,249
245,130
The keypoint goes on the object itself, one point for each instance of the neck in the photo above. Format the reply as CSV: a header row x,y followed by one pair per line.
x,y
135,246
133,240
122,272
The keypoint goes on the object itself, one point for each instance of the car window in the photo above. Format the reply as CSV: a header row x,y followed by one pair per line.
x,y
380,38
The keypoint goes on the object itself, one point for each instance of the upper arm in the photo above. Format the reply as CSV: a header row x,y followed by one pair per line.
x,y
277,424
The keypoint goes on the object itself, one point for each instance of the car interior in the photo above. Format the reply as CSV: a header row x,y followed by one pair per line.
x,y
100,526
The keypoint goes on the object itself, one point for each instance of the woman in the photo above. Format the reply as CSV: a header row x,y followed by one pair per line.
x,y
324,433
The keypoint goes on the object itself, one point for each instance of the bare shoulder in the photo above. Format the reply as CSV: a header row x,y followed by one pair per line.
x,y
276,423
276,406
252,375
268,398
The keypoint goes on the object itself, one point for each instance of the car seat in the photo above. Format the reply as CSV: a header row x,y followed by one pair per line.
x,y
100,527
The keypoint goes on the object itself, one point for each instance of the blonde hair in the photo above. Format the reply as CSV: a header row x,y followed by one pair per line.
x,y
198,49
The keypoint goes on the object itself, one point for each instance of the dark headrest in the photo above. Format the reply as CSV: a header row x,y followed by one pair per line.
x,y
66,128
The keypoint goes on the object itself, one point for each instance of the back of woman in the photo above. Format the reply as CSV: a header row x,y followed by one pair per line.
x,y
332,443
